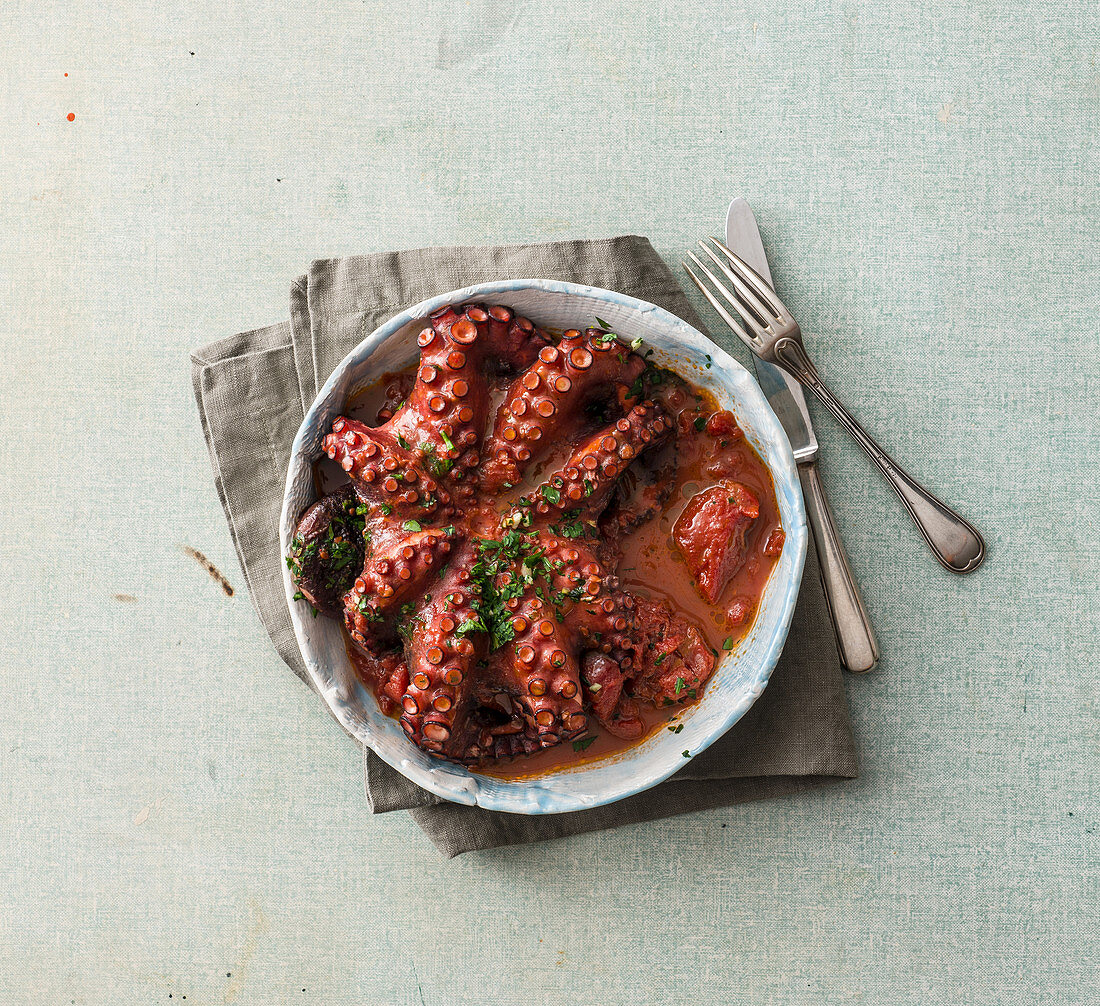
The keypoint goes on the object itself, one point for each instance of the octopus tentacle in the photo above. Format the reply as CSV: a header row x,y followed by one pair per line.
x,y
541,667
603,615
384,472
395,573
549,395
514,341
446,410
440,658
585,481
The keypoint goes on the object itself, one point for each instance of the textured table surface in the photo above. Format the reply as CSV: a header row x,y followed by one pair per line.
x,y
180,816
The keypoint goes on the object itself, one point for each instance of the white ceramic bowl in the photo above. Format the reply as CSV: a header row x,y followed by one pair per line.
x,y
741,675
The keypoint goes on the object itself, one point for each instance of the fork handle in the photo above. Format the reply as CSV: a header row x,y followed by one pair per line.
x,y
855,642
954,541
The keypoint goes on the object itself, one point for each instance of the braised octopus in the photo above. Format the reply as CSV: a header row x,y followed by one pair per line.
x,y
476,552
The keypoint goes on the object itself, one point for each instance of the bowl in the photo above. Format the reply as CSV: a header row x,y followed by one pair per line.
x,y
742,674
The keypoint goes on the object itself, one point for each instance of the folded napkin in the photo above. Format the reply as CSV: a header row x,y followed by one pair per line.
x,y
252,392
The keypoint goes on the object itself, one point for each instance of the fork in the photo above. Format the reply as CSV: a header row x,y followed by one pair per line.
x,y
774,336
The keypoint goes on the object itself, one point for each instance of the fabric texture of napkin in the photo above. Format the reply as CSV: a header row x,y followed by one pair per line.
x,y
252,392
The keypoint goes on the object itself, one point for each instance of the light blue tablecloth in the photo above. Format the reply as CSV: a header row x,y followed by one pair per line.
x,y
180,815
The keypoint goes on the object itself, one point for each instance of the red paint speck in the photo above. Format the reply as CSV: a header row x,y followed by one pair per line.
x,y
71,116
66,75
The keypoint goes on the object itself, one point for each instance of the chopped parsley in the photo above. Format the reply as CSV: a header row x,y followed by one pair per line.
x,y
603,324
412,525
584,743
402,441
367,610
518,554
405,622
574,529
551,495
700,423
681,684
727,643
470,625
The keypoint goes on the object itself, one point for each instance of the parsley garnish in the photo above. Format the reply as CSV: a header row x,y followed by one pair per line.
x,y
470,625
573,530
681,684
550,494
727,643
518,554
412,525
583,743
603,324
700,423
402,441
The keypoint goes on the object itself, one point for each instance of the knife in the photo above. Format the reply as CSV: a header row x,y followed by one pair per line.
x,y
855,640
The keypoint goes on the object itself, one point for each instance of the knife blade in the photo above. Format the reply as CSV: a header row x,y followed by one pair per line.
x,y
782,391
855,640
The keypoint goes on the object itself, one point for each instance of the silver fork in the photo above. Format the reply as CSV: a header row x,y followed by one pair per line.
x,y
774,336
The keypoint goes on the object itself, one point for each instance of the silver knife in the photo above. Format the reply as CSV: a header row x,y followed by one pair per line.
x,y
855,640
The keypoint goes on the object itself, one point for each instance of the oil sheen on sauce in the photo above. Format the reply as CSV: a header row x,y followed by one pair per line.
x,y
651,564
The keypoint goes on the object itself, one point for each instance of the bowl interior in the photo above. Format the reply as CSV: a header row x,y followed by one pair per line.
x,y
742,674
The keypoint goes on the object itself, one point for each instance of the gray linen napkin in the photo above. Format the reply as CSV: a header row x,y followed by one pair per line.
x,y
252,391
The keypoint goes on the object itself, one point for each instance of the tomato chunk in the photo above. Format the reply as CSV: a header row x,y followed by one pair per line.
x,y
724,424
673,661
710,534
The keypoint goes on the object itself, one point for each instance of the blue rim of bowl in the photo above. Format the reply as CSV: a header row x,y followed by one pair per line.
x,y
512,799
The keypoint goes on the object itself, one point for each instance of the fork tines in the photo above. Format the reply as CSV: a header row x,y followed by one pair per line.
x,y
751,296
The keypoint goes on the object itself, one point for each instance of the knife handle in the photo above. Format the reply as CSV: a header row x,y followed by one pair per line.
x,y
854,638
